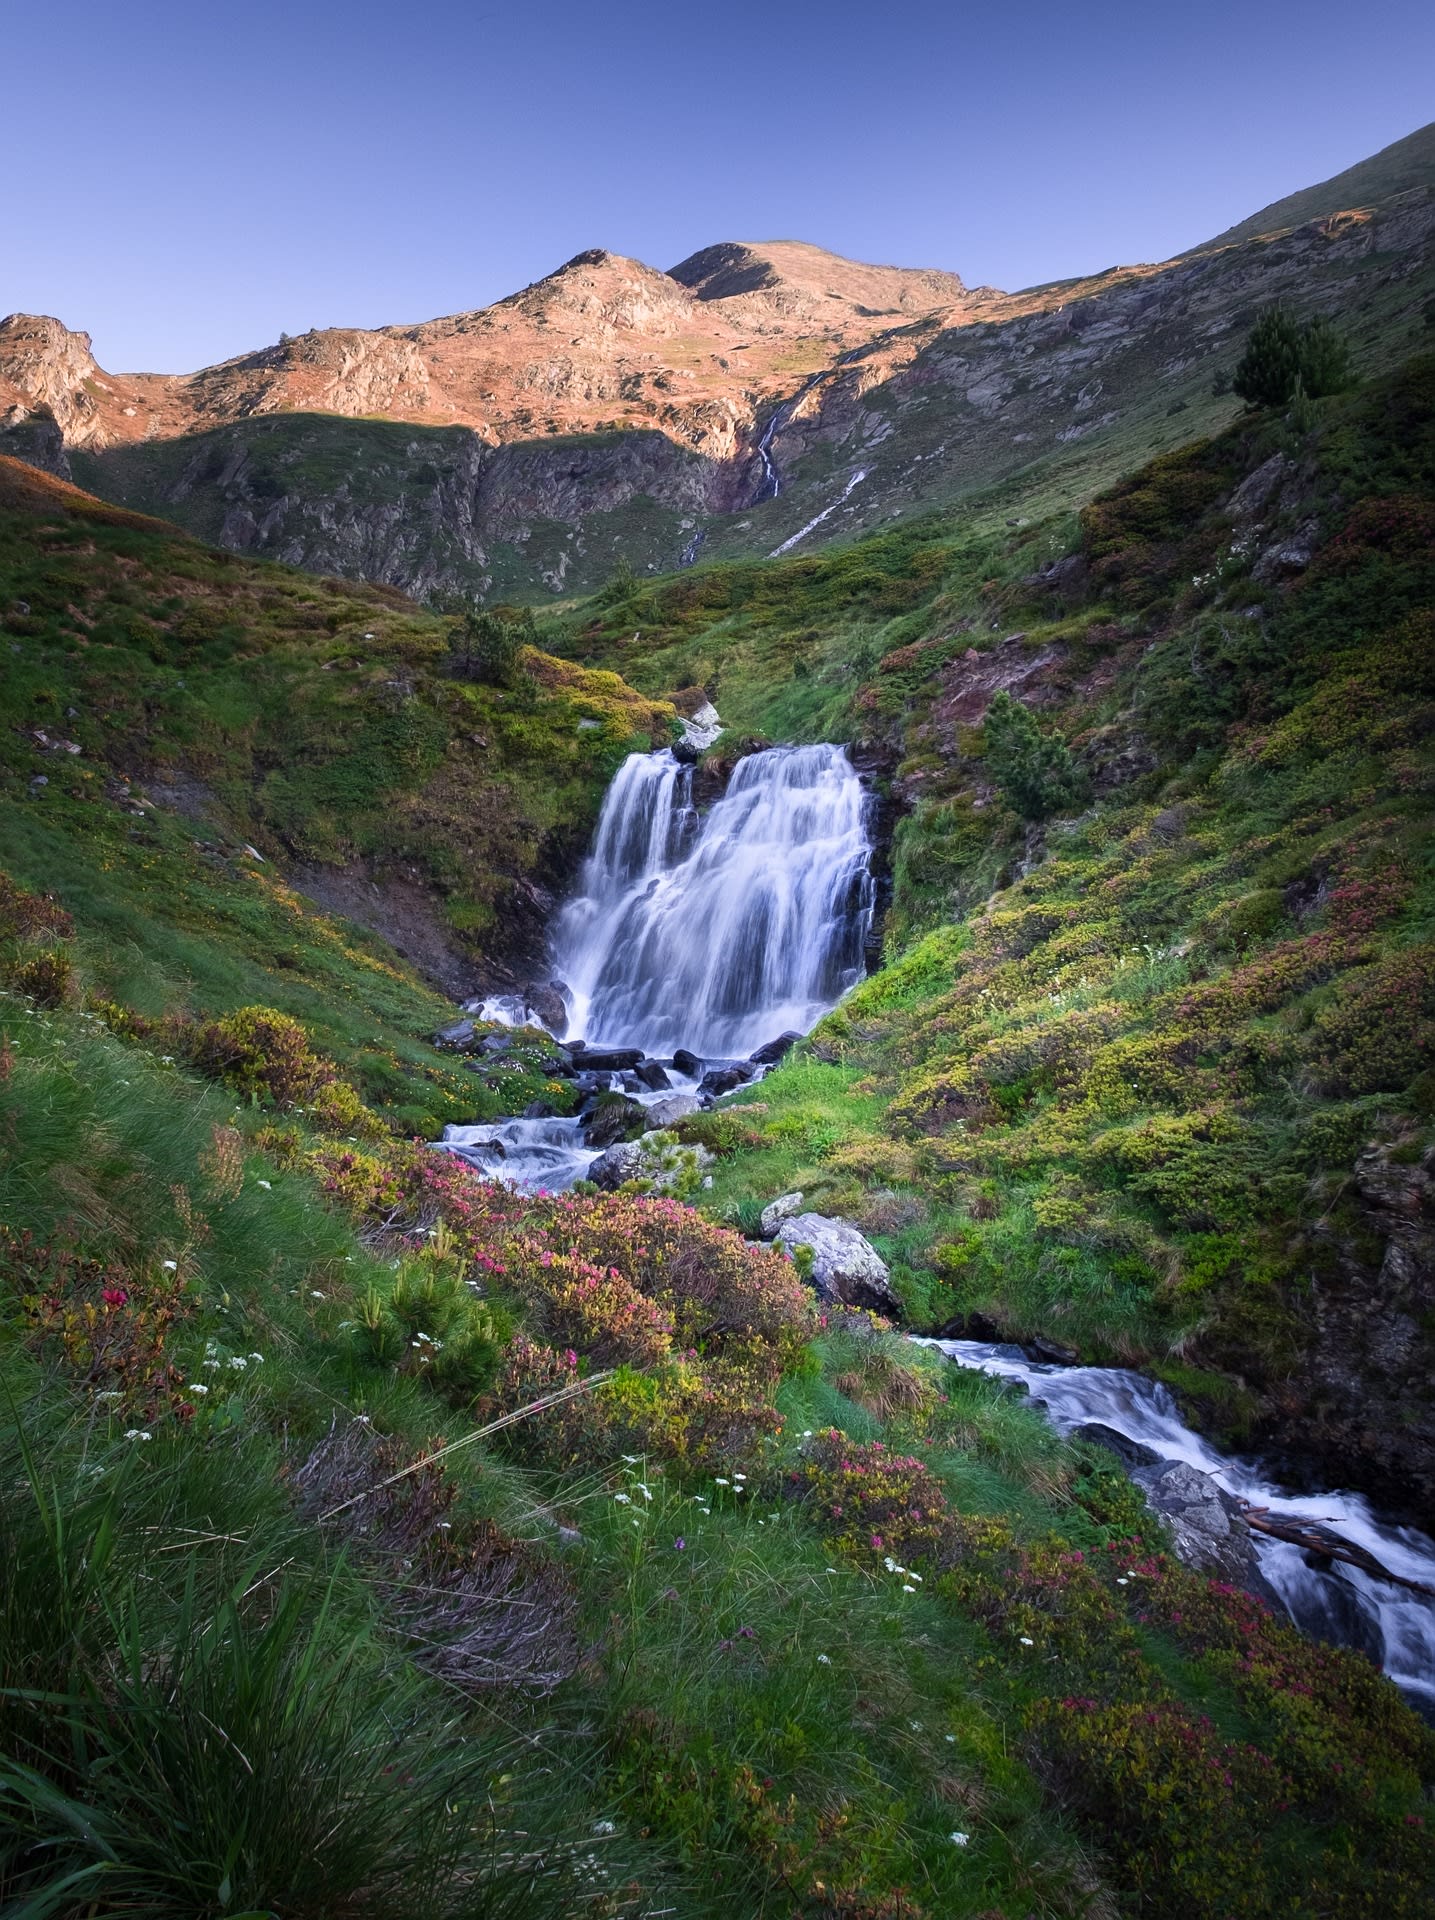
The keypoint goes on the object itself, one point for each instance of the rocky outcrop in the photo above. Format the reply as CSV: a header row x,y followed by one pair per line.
x,y
656,1162
611,409
846,1268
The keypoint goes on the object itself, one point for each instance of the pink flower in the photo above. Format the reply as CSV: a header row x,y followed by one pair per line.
x,y
115,1297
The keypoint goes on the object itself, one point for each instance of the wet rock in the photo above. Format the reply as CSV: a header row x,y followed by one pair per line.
x,y
494,1044
1050,1352
774,1050
538,1110
549,1005
605,1059
787,1206
611,1120
677,1106
558,1063
725,1077
655,1161
458,1035
688,1063
1207,1531
1131,1453
651,1075
846,1267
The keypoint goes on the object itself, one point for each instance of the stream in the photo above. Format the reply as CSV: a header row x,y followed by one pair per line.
x,y
710,936
1338,1603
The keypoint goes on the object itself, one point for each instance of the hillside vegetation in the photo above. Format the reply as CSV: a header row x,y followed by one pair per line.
x,y
379,1542
1149,1071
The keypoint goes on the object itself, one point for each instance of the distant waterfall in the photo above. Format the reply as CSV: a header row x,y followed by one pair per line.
x,y
718,934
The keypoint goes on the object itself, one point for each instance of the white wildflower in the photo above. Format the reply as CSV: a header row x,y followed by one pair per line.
x,y
959,1839
137,1433
1026,1642
720,1482
198,1388
623,1499
170,1266
823,1661
238,1362
604,1826
267,1185
314,1294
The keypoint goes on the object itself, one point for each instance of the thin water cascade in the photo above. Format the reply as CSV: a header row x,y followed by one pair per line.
x,y
719,933
1322,1597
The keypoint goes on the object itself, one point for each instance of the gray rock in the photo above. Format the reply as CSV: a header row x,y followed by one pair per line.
x,y
655,1161
688,1063
458,1035
550,1007
786,1207
769,1055
1207,1531
651,1075
677,1106
846,1267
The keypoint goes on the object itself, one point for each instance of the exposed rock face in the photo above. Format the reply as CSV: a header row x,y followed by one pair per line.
x,y
677,1106
846,1267
612,409
1364,1396
1207,1531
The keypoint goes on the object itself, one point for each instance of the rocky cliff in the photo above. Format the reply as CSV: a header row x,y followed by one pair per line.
x,y
754,398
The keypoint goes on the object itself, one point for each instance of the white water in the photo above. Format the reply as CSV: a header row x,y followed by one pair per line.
x,y
1320,1596
816,521
545,1155
718,934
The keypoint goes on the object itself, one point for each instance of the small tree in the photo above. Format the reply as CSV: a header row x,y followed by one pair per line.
x,y
1284,358
1325,364
1267,372
1034,771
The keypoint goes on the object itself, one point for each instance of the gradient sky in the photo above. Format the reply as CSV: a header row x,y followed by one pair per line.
x,y
184,180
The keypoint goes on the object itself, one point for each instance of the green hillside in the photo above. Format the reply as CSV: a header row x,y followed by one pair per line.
x,y
380,1542
1146,1051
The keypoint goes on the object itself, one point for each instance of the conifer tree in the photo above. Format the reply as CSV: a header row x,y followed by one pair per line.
x,y
1267,372
1034,771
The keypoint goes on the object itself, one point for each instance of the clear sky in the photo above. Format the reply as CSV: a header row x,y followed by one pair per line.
x,y
187,177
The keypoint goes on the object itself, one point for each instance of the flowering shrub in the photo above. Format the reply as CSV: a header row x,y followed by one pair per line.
x,y
870,1502
263,1054
337,1108
1173,1802
47,977
106,1326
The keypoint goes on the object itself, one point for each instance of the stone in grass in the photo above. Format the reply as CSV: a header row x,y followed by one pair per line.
x,y
786,1207
655,1161
846,1267
458,1035
677,1106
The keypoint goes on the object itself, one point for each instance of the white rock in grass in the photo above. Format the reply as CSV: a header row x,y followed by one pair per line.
x,y
776,1211
846,1267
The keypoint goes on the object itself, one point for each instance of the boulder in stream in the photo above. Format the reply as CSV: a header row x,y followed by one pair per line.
x,y
677,1106
846,1267
605,1059
611,1119
549,1005
1207,1531
688,1063
774,1050
651,1075
725,1077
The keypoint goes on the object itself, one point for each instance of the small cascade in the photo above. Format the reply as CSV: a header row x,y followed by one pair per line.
x,y
717,934
1342,1603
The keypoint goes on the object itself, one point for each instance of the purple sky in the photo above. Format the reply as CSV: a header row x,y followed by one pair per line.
x,y
186,180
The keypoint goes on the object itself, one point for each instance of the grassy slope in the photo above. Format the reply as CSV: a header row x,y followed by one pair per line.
x,y
756,1712
315,721
1120,1100
1395,169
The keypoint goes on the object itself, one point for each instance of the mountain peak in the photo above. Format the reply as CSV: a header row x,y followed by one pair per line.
x,y
794,272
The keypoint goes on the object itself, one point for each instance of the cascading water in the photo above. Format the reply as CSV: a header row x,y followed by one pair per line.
x,y
714,934
1339,1602
717,934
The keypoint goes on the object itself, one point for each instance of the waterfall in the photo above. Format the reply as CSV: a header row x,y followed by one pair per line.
x,y
718,934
